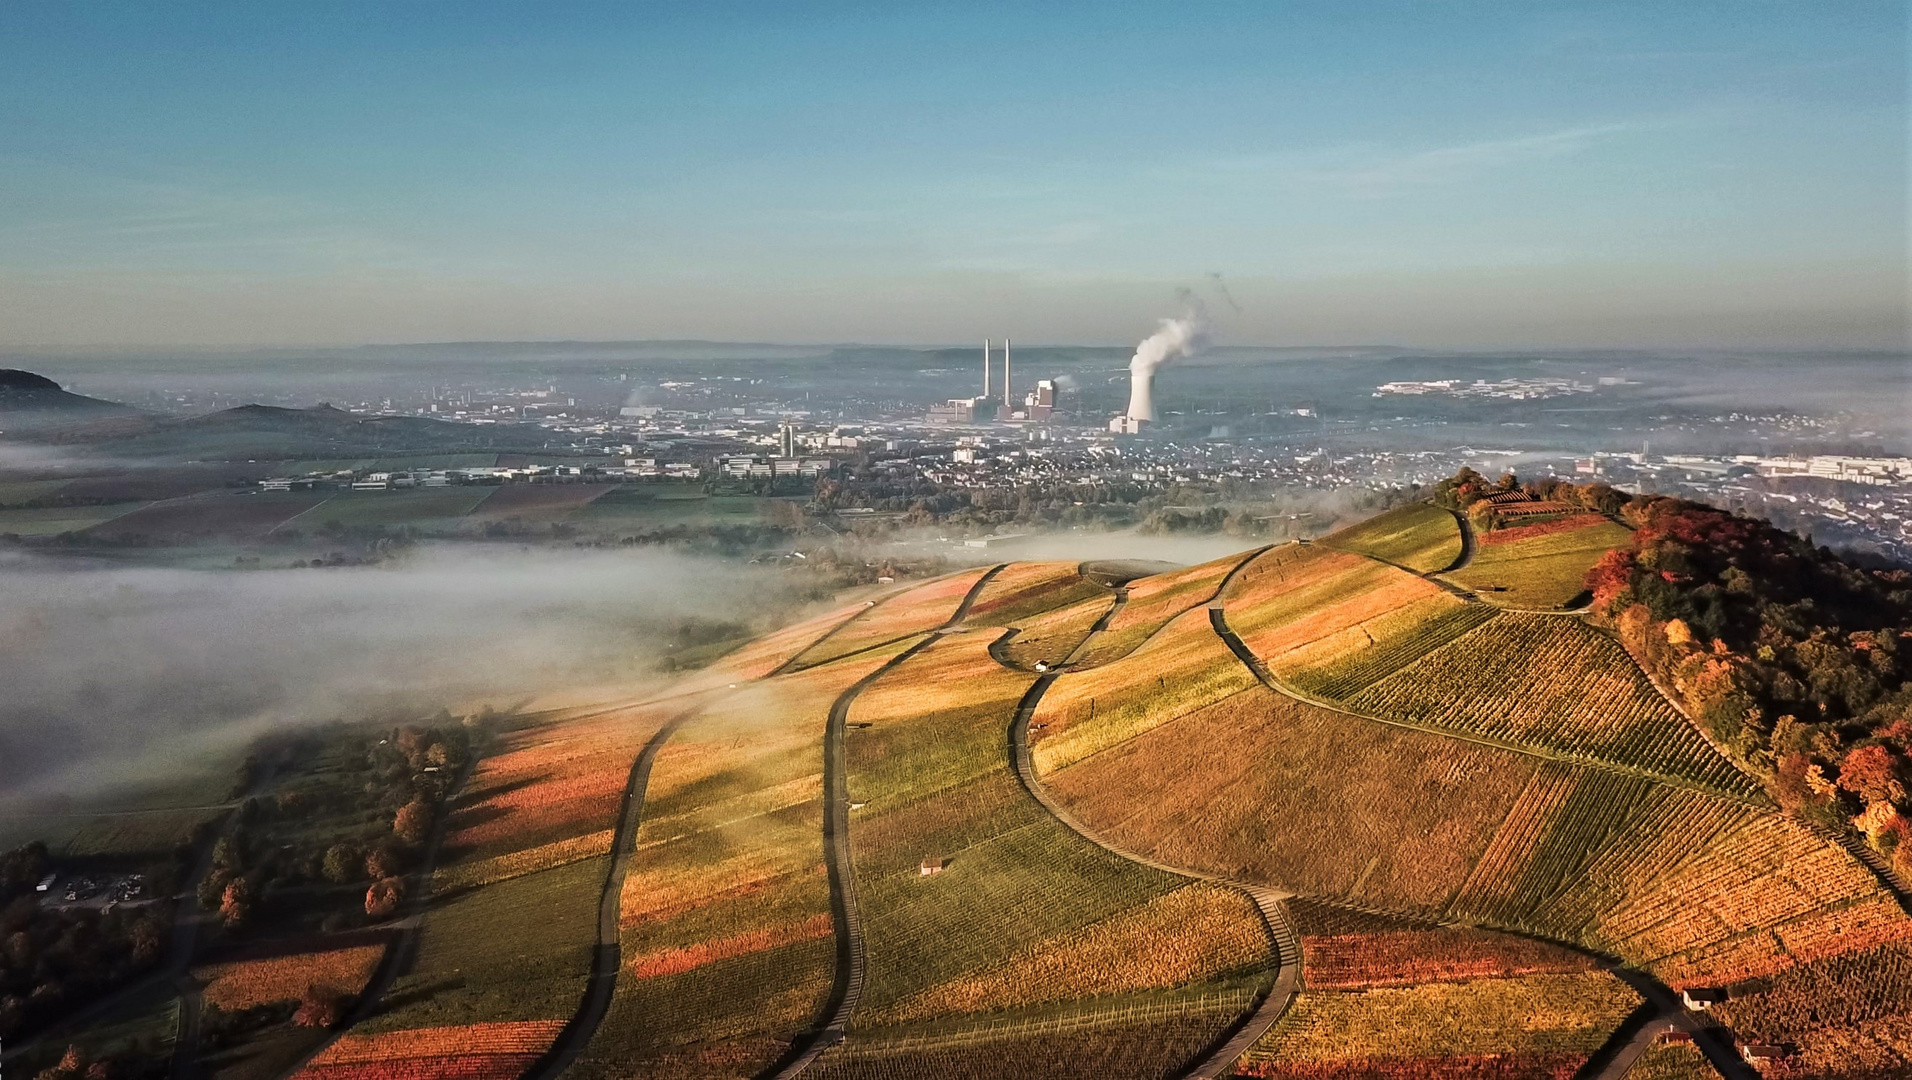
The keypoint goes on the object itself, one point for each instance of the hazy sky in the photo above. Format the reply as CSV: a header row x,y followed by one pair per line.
x,y
1445,174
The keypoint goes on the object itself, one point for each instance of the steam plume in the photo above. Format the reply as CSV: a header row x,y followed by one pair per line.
x,y
1172,340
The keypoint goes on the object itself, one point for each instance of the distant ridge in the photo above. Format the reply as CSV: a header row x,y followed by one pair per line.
x,y
28,400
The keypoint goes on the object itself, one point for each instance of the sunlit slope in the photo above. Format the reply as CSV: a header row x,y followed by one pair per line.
x,y
1314,615
1180,669
1393,998
1021,591
505,950
1420,536
1027,929
725,930
1558,685
913,610
1505,770
1150,602
1540,566
1393,645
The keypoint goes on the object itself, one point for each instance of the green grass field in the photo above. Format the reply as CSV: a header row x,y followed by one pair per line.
x,y
415,506
516,950
1420,536
1542,572
54,520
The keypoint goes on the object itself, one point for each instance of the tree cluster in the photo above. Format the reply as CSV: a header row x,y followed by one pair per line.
x,y
403,778
1474,495
54,960
1796,662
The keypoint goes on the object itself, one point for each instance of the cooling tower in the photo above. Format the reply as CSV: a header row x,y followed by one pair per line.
x,y
1141,397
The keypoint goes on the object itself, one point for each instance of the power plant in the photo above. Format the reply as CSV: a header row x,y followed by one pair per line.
x,y
1039,403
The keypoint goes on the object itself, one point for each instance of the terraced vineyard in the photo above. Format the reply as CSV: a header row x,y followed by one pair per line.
x,y
1025,590
507,945
725,932
897,616
1025,923
1553,684
1182,668
1051,637
1672,1061
1420,537
1153,601
1326,618
1482,818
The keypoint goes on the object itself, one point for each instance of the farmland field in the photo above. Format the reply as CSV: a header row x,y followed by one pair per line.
x,y
537,501
1153,601
408,507
1850,1015
525,855
912,611
725,916
244,984
247,516
771,651
1540,567
1554,684
54,520
1672,1061
1263,788
1419,536
518,950
1085,1047
1181,669
1025,914
1024,590
1528,1026
1329,618
1052,636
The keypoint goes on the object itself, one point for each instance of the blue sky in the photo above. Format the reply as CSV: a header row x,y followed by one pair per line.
x,y
1475,174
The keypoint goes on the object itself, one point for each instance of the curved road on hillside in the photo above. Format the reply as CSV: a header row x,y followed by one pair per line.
x,y
1612,1061
606,957
408,925
847,986
1282,941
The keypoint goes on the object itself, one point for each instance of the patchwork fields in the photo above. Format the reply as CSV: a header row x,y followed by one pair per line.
x,y
724,920
1024,921
1482,818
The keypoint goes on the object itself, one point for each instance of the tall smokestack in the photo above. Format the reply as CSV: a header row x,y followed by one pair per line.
x,y
985,367
1007,405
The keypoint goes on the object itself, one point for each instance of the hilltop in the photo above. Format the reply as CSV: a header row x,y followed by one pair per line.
x,y
1455,792
30,401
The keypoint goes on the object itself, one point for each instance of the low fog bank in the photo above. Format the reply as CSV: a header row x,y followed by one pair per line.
x,y
1181,550
118,675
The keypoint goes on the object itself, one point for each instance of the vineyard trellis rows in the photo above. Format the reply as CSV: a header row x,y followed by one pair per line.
x,y
1228,1002
1554,684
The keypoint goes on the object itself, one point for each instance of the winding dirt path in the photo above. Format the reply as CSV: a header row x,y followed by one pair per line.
x,y
846,988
